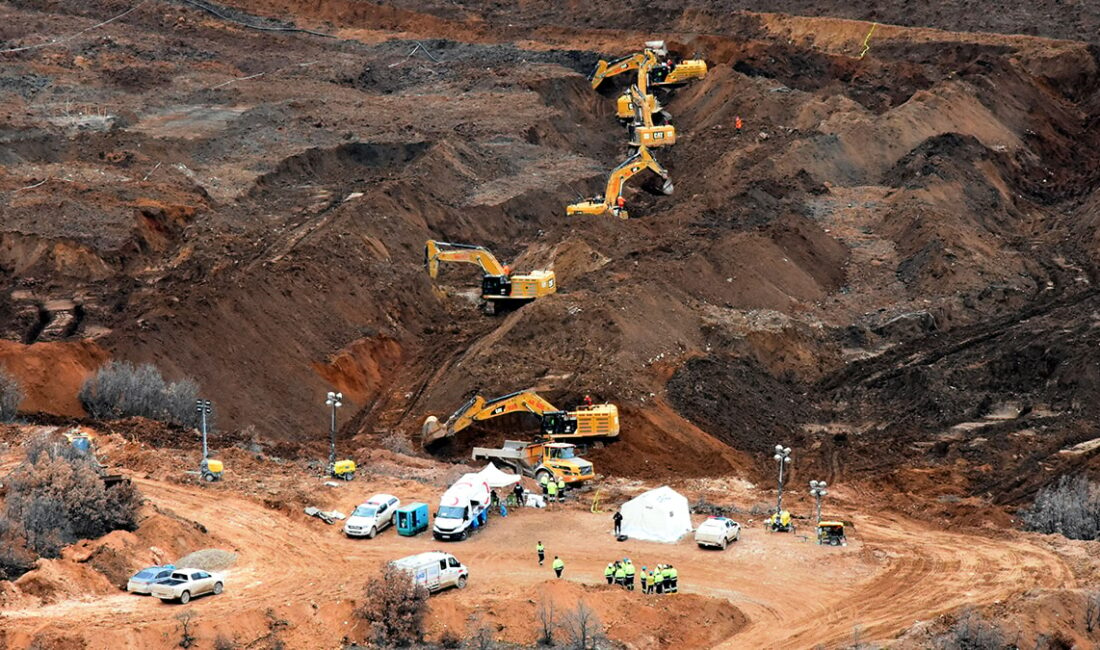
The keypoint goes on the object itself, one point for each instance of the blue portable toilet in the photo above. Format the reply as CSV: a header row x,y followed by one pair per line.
x,y
412,519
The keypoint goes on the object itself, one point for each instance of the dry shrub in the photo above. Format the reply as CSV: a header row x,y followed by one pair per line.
x,y
583,627
1070,508
394,607
972,632
120,389
56,497
11,395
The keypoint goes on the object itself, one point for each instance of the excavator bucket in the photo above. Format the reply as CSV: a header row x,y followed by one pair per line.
x,y
432,431
667,187
598,73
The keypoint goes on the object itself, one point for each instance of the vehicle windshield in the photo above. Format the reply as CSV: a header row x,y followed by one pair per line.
x,y
451,512
566,453
147,574
365,511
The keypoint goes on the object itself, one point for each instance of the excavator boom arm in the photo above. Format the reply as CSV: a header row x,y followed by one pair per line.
x,y
478,409
436,252
605,69
642,159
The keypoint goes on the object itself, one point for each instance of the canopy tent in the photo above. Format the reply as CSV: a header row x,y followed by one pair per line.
x,y
497,478
660,515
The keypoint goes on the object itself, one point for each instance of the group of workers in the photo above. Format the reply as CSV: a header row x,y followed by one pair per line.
x,y
552,488
663,579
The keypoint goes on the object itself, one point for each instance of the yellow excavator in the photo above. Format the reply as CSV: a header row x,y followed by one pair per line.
x,y
589,421
643,132
498,285
609,202
654,58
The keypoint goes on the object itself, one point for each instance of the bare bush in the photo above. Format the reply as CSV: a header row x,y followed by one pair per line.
x,y
58,496
1070,508
548,618
187,638
11,395
120,389
394,607
583,627
972,632
1092,610
15,557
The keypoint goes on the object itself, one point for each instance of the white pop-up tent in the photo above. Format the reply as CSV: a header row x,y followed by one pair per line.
x,y
660,515
496,478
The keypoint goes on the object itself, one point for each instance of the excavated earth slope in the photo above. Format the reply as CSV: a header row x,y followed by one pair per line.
x,y
890,266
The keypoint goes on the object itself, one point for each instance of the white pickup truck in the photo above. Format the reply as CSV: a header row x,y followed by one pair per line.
x,y
185,584
717,531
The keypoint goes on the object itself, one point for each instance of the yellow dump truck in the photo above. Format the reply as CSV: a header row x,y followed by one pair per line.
x,y
537,458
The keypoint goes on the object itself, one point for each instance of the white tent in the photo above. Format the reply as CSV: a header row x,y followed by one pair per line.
x,y
660,515
497,478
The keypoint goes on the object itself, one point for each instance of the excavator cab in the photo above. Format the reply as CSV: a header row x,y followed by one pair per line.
x,y
496,285
558,423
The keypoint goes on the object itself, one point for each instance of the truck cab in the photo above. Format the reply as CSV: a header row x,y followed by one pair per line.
x,y
561,459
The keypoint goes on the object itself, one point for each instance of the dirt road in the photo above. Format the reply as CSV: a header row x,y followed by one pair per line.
x,y
298,577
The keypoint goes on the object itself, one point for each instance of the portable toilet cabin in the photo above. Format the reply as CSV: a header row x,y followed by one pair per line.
x,y
412,519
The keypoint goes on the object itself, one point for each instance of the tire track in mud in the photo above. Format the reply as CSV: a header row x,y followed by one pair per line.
x,y
928,573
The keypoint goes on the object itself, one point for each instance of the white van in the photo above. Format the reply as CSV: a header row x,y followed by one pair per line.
x,y
434,570
463,508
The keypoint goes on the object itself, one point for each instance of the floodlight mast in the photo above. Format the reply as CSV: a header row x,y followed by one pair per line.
x,y
333,400
783,457
203,407
817,488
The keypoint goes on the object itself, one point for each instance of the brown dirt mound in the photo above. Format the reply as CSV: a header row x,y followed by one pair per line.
x,y
52,373
684,620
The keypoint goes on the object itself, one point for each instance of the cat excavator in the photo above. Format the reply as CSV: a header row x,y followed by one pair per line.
x,y
643,132
589,421
609,202
498,285
660,71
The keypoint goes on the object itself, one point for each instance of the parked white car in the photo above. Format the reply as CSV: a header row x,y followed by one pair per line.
x,y
185,584
434,570
717,531
369,518
142,581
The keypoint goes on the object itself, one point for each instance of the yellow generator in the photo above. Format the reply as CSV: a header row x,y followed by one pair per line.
x,y
211,470
344,470
831,533
780,522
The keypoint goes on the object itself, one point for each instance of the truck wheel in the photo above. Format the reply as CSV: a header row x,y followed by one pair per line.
x,y
463,535
724,543
208,477
218,588
461,584
185,597
372,533
542,472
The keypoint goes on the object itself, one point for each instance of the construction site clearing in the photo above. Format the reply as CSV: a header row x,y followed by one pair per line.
x,y
823,382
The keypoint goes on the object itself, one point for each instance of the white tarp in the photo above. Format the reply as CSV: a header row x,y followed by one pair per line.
x,y
496,478
660,515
